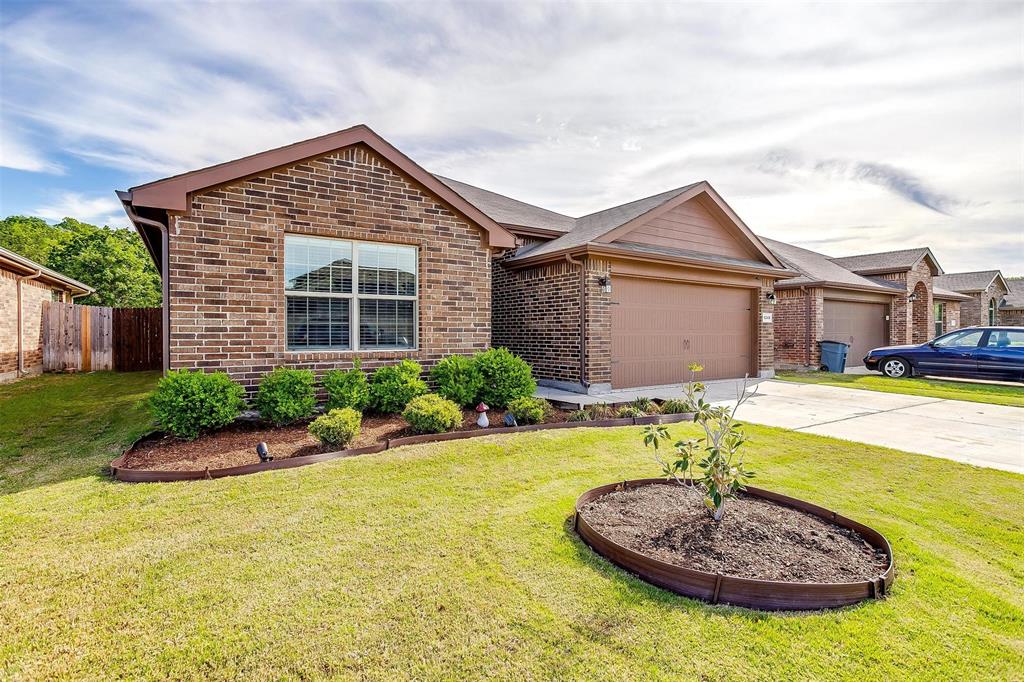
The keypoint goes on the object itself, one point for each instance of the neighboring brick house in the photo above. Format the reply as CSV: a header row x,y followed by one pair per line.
x,y
1011,310
340,247
24,285
987,291
865,301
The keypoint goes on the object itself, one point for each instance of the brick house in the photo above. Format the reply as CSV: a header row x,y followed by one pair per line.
x,y
340,247
987,293
24,285
866,301
1011,310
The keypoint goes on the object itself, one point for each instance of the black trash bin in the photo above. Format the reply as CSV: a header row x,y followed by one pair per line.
x,y
833,355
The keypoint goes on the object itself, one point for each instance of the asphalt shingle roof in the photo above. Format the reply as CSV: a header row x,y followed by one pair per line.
x,y
508,211
967,281
894,260
816,267
1014,299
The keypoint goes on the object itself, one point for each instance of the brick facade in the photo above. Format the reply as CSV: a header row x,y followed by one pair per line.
x,y
1013,317
799,325
975,311
226,264
33,293
950,316
912,321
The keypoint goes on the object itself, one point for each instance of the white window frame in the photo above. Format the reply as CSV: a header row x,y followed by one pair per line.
x,y
353,298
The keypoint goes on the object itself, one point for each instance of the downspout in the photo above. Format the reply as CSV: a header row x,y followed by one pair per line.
x,y
21,322
583,318
164,277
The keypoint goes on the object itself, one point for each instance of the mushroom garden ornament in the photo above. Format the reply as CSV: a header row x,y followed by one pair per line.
x,y
482,420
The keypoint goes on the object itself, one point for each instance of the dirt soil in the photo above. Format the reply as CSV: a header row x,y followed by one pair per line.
x,y
756,538
235,445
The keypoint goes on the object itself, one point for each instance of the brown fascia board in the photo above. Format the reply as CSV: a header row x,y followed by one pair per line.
x,y
595,249
837,285
703,187
172,193
11,260
532,231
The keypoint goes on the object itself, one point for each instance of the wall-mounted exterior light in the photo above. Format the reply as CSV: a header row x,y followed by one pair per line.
x,y
911,298
606,283
770,297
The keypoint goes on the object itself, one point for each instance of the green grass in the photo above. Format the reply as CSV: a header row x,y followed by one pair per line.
x,y
933,388
455,561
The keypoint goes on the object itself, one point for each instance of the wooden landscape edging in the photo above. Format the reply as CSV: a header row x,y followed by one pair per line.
x,y
158,476
717,588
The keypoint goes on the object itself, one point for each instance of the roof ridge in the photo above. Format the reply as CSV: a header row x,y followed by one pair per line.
x,y
677,190
881,253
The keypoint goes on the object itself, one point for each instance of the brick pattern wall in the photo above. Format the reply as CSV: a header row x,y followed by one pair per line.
x,y
794,348
1012,317
951,315
599,323
536,315
226,262
975,311
32,296
765,330
903,327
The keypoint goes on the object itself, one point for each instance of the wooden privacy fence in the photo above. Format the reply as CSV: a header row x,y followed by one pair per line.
x,y
80,338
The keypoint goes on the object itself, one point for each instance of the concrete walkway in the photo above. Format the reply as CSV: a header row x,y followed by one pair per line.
x,y
975,433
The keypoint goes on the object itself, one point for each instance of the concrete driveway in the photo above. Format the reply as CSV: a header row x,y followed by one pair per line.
x,y
975,433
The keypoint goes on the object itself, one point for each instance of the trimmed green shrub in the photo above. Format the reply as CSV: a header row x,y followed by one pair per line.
x,y
458,379
286,395
186,402
431,413
339,427
675,406
505,377
529,410
347,388
392,387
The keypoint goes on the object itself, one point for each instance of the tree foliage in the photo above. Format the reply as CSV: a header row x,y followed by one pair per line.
x,y
112,261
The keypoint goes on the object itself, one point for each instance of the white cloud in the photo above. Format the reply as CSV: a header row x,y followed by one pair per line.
x,y
17,153
558,105
98,210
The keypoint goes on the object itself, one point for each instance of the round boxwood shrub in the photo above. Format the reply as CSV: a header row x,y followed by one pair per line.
x,y
338,428
186,402
458,379
392,387
505,377
347,388
529,410
286,395
431,413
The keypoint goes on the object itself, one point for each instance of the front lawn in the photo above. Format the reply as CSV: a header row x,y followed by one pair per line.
x,y
931,388
456,561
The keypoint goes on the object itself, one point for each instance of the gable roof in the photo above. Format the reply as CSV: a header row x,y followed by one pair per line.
x,y
602,227
970,281
1015,298
171,194
888,261
947,294
511,212
9,260
817,269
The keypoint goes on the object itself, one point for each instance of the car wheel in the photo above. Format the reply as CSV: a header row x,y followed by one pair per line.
x,y
895,368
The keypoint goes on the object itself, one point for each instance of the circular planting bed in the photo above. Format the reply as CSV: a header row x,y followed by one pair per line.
x,y
768,552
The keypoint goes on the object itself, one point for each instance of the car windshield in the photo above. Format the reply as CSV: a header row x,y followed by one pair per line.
x,y
968,338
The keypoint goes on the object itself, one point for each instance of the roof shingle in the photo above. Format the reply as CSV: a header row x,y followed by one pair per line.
x,y
817,268
903,259
967,281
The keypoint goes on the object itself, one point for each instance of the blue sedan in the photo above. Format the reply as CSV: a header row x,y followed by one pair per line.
x,y
972,352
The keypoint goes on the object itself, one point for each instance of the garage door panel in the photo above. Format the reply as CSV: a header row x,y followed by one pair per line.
x,y
862,325
660,327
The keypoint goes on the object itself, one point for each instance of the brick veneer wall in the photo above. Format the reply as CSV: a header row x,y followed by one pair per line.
x,y
599,324
765,330
975,311
226,264
951,316
536,315
902,327
794,348
33,294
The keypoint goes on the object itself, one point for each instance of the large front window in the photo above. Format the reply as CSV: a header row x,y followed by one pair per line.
x,y
348,295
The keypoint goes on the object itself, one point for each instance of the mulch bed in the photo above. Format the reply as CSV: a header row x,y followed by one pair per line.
x,y
235,445
756,539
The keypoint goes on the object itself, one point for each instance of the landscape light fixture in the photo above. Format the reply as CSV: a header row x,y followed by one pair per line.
x,y
263,452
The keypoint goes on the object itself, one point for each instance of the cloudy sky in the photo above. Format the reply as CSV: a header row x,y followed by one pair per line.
x,y
843,129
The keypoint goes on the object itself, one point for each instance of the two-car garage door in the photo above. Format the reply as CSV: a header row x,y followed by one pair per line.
x,y
659,327
862,325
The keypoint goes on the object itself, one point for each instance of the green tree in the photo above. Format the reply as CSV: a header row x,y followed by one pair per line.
x,y
30,237
112,261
